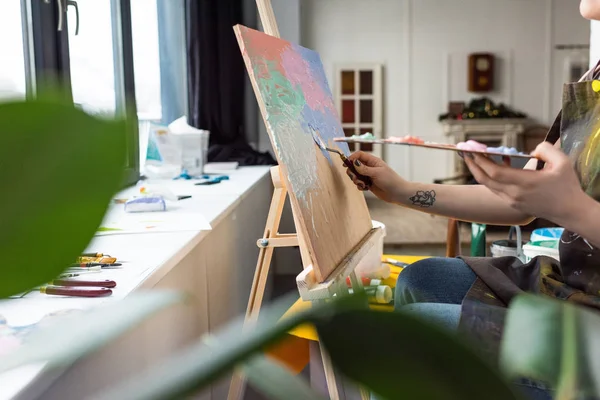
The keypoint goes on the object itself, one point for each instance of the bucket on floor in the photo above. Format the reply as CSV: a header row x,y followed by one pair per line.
x,y
371,266
510,247
504,248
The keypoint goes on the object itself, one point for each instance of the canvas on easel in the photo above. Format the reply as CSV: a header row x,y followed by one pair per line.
x,y
331,215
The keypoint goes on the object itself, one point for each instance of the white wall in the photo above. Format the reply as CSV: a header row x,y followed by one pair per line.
x,y
594,43
424,44
568,27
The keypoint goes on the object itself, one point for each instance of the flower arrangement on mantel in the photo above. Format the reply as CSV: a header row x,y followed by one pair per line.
x,y
480,108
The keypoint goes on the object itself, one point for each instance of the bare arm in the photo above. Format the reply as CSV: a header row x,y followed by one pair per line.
x,y
472,203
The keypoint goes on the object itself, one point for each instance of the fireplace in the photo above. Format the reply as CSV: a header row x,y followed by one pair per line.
x,y
492,132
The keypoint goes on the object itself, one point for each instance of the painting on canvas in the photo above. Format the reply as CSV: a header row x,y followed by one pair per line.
x,y
296,102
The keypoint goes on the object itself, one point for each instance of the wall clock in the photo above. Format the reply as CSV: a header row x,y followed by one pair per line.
x,y
481,72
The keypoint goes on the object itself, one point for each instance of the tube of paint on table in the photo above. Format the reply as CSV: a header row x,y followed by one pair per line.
x,y
378,294
365,281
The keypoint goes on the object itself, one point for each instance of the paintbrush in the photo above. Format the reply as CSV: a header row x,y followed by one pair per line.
x,y
365,179
395,263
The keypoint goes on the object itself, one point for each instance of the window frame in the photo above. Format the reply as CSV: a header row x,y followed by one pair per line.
x,y
125,83
48,49
376,126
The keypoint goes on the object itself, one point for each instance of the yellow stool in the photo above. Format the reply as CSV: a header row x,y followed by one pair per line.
x,y
294,350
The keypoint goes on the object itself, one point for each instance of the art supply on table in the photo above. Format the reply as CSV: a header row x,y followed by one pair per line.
x,y
207,182
99,260
118,222
94,264
378,294
183,175
194,145
211,180
158,190
95,255
396,263
365,179
78,291
81,283
215,176
149,203
85,269
164,153
78,273
365,282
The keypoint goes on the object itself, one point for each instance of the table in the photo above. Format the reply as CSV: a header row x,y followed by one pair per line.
x,y
198,262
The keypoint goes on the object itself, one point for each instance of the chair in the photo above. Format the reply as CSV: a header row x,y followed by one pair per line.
x,y
478,239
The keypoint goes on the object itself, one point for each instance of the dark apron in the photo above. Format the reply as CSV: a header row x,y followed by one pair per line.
x,y
577,277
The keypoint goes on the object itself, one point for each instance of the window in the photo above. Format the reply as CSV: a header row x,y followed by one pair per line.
x,y
13,77
159,59
359,102
92,57
117,57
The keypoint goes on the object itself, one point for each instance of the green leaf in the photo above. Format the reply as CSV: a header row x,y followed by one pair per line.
x,y
197,366
398,356
59,168
276,382
553,341
73,336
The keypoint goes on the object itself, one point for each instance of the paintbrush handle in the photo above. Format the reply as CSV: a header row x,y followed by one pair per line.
x,y
365,179
76,291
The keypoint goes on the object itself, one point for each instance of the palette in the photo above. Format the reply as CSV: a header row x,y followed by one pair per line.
x,y
432,145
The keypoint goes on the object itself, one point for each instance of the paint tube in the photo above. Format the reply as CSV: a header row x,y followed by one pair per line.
x,y
365,281
378,294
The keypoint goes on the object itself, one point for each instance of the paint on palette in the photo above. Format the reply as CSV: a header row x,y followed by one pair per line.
x,y
297,97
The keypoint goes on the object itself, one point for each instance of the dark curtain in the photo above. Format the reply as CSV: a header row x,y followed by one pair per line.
x,y
216,80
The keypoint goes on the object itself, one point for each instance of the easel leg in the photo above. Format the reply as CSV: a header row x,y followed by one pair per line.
x,y
329,375
364,393
265,255
357,283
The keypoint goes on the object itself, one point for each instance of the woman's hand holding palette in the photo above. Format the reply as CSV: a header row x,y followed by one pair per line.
x,y
469,146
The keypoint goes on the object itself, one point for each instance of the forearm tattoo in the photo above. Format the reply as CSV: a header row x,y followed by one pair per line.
x,y
423,198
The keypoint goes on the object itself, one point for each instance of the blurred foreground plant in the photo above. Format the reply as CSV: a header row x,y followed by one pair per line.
x,y
59,168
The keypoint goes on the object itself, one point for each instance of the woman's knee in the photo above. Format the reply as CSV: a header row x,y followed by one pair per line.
x,y
434,280
445,316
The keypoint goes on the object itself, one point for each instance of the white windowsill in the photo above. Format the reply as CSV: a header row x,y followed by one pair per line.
x,y
148,258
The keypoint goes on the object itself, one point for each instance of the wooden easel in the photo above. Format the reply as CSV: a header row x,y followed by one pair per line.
x,y
308,285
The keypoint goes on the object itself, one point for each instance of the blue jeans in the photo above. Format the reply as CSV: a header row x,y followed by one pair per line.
x,y
434,289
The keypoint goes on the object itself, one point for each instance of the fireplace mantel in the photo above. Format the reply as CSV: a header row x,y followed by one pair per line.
x,y
501,132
